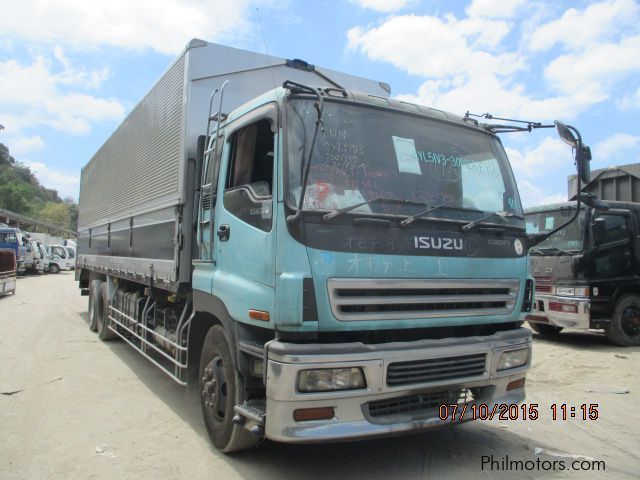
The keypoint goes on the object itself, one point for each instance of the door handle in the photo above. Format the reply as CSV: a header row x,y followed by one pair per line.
x,y
223,232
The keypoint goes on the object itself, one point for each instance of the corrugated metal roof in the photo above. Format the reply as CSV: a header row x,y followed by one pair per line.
x,y
602,174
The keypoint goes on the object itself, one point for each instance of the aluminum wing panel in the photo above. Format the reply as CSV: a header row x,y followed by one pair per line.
x,y
138,167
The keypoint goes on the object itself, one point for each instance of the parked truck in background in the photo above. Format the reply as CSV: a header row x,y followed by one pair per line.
x,y
60,251
7,271
587,273
330,263
13,238
32,257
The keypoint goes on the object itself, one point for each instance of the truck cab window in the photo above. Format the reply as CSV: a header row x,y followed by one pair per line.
x,y
249,180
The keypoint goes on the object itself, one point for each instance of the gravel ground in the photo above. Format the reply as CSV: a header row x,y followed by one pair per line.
x,y
74,407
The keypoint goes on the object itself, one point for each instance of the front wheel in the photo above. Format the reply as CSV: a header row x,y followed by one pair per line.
x,y
221,388
624,329
545,330
54,268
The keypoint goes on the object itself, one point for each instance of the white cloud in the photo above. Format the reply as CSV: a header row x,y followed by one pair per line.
x,y
493,8
384,6
438,48
164,26
614,147
502,96
66,183
595,70
549,155
578,29
467,64
20,145
628,102
40,94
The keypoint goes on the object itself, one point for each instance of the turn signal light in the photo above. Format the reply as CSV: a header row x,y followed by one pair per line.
x,y
563,307
307,414
515,384
259,315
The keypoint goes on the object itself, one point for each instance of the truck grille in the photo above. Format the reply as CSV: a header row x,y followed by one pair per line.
x,y
422,402
435,369
390,299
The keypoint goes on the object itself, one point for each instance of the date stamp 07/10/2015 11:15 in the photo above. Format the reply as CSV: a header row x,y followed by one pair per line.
x,y
526,411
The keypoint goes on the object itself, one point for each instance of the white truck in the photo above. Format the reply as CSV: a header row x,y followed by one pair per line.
x,y
61,257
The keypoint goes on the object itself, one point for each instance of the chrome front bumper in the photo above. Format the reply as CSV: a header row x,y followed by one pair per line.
x,y
7,284
352,419
581,319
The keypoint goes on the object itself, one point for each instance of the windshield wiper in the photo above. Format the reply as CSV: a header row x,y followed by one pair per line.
x,y
413,218
319,106
335,213
501,215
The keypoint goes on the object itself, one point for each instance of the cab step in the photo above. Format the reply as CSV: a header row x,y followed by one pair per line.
x,y
252,348
251,415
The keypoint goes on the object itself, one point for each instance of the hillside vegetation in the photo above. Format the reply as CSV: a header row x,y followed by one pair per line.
x,y
21,192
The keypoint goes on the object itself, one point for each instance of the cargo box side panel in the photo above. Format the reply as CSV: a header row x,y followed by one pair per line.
x,y
140,248
138,168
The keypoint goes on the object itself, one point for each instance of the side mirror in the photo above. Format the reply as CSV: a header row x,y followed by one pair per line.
x,y
594,202
566,135
583,152
583,163
599,229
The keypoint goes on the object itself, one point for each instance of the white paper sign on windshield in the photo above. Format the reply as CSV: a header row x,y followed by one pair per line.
x,y
406,155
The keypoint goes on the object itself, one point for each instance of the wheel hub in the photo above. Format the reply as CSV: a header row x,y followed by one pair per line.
x,y
631,321
214,388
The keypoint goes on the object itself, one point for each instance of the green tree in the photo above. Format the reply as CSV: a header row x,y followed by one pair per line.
x,y
15,197
73,212
5,157
57,214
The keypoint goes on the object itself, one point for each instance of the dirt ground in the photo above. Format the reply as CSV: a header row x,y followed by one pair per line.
x,y
74,407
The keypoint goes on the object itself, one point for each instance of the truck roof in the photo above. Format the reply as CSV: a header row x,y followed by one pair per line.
x,y
360,97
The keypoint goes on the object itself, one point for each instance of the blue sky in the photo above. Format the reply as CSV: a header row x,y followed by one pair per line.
x,y
70,71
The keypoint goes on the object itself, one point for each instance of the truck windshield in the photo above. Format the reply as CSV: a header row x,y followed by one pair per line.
x,y
364,153
8,237
570,238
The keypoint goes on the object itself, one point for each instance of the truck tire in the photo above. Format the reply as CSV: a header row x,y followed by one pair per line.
x,y
94,299
545,330
54,268
624,329
102,319
221,388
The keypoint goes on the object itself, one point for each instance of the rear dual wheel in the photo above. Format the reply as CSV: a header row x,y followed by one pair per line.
x,y
94,295
102,318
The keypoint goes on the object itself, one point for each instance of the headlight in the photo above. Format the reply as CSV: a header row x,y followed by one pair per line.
x,y
513,359
327,379
572,291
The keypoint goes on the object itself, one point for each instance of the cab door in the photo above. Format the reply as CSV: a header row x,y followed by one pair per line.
x,y
244,275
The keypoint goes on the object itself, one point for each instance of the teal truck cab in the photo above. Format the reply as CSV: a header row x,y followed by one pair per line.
x,y
341,266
